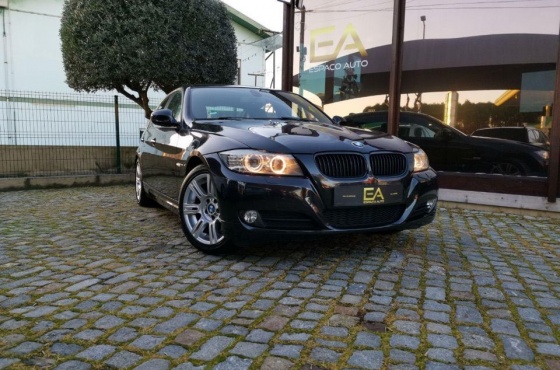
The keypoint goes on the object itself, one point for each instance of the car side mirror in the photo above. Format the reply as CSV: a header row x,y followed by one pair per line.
x,y
164,117
338,120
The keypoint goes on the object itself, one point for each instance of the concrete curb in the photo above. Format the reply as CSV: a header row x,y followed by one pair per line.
x,y
28,183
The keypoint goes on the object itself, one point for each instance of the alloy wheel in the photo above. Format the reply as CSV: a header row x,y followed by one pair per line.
x,y
201,210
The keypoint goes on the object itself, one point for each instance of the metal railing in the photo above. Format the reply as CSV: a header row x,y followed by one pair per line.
x,y
53,134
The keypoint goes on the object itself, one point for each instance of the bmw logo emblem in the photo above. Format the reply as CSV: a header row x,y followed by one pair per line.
x,y
359,144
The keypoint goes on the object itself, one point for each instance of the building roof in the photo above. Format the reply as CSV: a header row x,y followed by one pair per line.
x,y
248,23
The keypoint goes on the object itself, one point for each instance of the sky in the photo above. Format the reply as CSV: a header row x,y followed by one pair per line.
x,y
444,19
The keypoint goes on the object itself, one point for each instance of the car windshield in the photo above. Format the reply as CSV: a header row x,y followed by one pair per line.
x,y
208,103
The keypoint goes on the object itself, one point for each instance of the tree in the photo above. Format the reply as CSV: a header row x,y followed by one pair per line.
x,y
134,45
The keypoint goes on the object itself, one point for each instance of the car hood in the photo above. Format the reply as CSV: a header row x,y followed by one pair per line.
x,y
302,137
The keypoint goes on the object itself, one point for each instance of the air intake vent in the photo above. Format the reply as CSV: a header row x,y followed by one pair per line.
x,y
360,217
388,164
341,166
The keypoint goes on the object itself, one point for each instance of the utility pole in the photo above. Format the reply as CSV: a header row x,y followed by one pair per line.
x,y
302,49
396,67
288,42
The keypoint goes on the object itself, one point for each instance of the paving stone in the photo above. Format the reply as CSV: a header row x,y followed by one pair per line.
x,y
123,360
89,334
156,364
549,349
147,342
335,331
247,349
303,324
475,355
73,365
108,322
123,335
343,321
172,351
208,324
468,315
324,355
96,353
443,341
274,323
25,348
212,348
404,341
65,349
368,340
235,330
286,350
234,362
475,337
407,327
259,336
504,327
401,356
516,348
441,354
366,359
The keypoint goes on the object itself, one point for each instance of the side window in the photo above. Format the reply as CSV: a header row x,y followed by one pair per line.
x,y
412,127
175,105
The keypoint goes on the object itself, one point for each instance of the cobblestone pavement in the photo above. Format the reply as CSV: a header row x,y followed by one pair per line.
x,y
89,280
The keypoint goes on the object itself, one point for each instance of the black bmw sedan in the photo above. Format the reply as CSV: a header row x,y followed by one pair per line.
x,y
240,164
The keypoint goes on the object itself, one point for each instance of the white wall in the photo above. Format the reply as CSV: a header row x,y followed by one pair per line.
x,y
251,56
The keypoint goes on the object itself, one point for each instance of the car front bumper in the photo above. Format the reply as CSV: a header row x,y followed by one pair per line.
x,y
299,206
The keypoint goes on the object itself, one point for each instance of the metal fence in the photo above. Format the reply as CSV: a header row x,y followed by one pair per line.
x,y
51,134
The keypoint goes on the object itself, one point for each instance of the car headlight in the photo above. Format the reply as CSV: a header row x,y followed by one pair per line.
x,y
420,160
544,154
261,163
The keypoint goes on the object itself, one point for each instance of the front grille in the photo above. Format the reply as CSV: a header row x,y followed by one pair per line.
x,y
287,221
341,166
387,164
351,218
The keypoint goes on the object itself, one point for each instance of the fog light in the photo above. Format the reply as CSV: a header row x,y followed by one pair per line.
x,y
431,204
251,216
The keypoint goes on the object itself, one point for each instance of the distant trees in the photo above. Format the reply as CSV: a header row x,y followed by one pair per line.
x,y
134,45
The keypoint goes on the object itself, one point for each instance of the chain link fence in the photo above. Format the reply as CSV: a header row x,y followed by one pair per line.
x,y
54,134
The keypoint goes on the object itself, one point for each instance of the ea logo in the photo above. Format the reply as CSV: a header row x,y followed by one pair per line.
x,y
319,40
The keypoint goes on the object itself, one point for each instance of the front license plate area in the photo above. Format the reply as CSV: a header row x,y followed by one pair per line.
x,y
360,195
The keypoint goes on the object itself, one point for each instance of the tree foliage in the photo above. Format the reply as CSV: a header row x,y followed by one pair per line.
x,y
134,45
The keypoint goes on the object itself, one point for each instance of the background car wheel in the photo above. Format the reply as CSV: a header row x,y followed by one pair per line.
x,y
141,196
199,209
508,168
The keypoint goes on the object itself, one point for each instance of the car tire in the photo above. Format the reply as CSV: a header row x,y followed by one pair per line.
x,y
508,168
199,208
141,197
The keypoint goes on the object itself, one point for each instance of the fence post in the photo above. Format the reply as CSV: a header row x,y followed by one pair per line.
x,y
118,135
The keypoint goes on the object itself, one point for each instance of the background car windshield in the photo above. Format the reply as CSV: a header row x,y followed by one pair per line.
x,y
221,103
